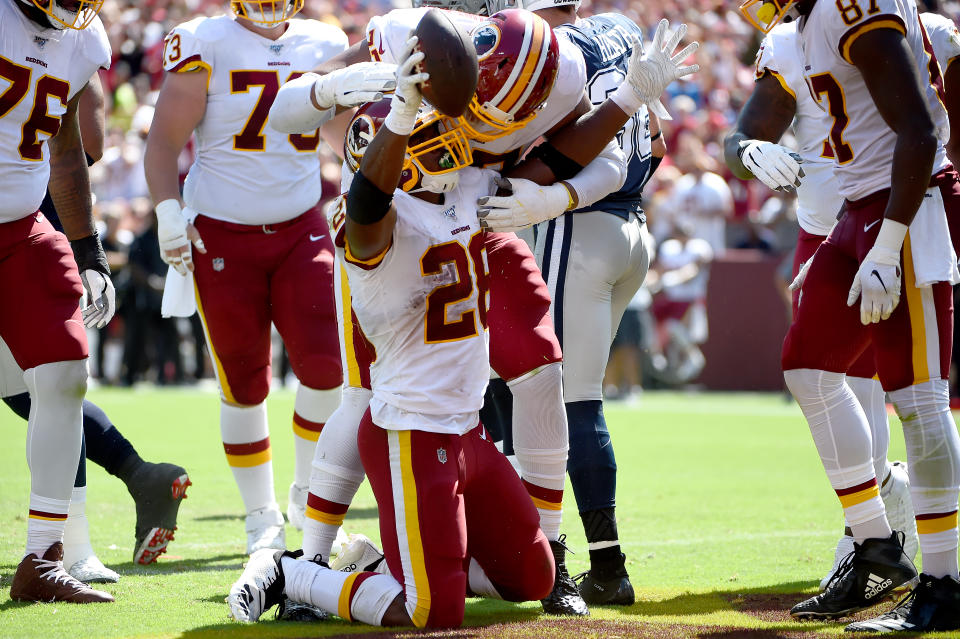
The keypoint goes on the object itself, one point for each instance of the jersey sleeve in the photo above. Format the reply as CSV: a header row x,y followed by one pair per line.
x,y
847,20
98,49
571,70
944,38
768,64
184,51
387,34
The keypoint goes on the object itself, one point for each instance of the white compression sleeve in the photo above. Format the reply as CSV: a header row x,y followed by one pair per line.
x,y
293,111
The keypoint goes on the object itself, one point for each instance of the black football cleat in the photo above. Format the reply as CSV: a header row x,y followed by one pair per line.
x,y
289,610
157,490
863,579
607,586
933,605
564,599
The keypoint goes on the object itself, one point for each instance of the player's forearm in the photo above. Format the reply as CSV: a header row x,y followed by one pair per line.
x,y
584,138
605,174
160,166
731,154
910,177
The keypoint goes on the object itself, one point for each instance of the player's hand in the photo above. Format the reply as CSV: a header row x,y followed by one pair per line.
x,y
408,97
100,298
650,73
355,85
528,204
801,277
176,236
877,283
776,166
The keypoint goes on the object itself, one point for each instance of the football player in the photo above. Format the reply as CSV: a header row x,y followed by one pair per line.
x,y
524,349
453,514
157,489
780,96
249,207
589,297
50,50
871,67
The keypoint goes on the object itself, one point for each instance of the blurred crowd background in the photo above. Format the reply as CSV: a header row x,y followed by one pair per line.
x,y
697,211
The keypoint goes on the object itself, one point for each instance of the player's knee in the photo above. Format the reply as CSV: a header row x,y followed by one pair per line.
x,y
248,393
513,358
67,380
535,573
808,385
320,371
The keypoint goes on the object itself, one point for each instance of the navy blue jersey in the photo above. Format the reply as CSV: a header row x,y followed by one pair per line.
x,y
606,41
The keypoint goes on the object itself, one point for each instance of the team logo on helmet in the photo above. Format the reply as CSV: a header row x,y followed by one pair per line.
x,y
485,40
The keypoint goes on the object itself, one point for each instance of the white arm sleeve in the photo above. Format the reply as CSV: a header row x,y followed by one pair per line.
x,y
604,174
293,111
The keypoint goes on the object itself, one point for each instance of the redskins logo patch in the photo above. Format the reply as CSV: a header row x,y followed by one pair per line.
x,y
485,40
358,139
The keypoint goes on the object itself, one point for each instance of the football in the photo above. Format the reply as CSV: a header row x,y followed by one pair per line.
x,y
451,61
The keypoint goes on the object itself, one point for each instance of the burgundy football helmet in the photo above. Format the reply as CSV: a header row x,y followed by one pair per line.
x,y
519,56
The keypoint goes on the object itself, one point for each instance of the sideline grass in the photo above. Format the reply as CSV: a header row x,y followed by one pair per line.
x,y
724,512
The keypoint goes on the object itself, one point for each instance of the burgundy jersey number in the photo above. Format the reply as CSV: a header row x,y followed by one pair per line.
x,y
40,121
471,270
251,138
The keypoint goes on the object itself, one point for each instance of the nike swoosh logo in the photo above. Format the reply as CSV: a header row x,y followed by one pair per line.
x,y
866,227
879,279
314,238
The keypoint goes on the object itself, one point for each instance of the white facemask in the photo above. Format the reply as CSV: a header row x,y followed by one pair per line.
x,y
443,183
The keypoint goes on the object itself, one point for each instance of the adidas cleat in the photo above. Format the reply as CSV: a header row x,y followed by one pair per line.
x,y
359,554
899,506
564,599
933,605
297,505
157,490
91,570
260,587
863,579
844,548
265,530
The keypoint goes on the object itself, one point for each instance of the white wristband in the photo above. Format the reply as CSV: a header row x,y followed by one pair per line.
x,y
627,99
891,235
168,208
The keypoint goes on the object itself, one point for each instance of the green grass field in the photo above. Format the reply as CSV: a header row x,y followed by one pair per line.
x,y
724,512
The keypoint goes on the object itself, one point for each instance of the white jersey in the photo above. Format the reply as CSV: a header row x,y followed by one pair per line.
x,y
818,197
245,172
43,69
864,147
387,34
944,38
422,305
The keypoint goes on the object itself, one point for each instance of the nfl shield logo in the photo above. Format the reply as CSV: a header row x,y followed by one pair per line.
x,y
276,48
442,455
40,42
218,263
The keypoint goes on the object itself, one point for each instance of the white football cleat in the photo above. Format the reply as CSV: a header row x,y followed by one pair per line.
x,y
260,587
339,542
91,570
265,530
360,554
899,505
844,548
297,505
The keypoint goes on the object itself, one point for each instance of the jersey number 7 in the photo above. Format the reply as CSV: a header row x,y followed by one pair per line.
x,y
251,138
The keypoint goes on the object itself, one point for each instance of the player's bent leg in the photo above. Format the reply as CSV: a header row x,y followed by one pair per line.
x,y
336,475
512,559
413,475
312,409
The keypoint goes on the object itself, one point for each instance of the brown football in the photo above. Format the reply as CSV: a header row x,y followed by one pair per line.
x,y
451,61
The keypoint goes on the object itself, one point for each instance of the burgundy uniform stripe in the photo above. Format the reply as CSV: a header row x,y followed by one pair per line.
x,y
856,489
932,515
185,62
306,424
43,513
362,577
247,449
553,496
324,506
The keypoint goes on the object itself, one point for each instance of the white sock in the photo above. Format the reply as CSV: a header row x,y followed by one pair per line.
x,y
311,410
364,596
336,473
54,432
246,442
540,441
76,532
842,436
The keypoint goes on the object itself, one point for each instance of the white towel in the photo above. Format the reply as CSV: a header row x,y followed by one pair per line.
x,y
934,259
178,290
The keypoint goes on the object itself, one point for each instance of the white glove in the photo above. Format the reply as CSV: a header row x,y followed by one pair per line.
x,y
877,282
355,85
528,204
801,277
776,166
175,236
407,98
100,298
650,73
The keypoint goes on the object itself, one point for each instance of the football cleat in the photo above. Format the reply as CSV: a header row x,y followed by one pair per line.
x,y
899,505
260,587
265,530
157,490
864,578
44,579
844,548
297,505
564,599
359,554
91,570
933,605
289,610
